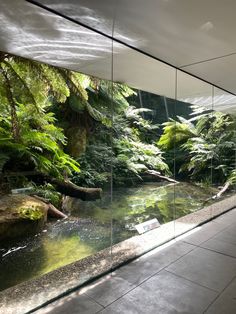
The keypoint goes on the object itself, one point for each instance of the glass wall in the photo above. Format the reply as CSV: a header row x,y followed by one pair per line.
x,y
150,151
58,128
142,197
193,158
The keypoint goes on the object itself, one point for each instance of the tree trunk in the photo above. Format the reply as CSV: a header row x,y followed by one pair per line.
x,y
14,118
70,189
65,187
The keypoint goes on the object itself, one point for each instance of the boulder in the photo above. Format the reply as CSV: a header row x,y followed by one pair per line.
x,y
20,216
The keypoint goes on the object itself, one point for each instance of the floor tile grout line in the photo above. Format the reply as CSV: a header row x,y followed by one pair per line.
x,y
146,279
213,301
163,268
196,283
212,250
208,249
211,238
93,300
207,239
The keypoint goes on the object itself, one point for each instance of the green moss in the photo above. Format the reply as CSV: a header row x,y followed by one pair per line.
x,y
30,212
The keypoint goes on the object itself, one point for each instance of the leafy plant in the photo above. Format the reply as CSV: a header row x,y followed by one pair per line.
x,y
48,192
32,213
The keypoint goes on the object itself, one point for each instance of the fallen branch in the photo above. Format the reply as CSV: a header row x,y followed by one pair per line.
x,y
158,175
54,212
219,194
51,210
223,190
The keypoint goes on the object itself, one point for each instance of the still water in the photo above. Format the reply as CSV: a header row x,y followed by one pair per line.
x,y
88,228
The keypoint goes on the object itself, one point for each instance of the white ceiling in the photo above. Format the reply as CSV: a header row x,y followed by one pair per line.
x,y
185,33
179,32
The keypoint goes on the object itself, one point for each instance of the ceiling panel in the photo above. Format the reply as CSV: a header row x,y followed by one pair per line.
x,y
40,35
194,91
180,32
223,101
34,33
221,72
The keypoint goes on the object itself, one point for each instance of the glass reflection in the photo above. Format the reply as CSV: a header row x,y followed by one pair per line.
x,y
193,151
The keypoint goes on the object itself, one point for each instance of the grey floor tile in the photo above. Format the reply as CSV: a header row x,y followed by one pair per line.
x,y
220,246
231,230
228,235
230,291
227,218
72,304
207,268
106,291
206,232
226,302
164,293
223,305
148,265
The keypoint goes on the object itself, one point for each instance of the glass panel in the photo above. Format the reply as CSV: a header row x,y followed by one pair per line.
x,y
193,155
54,121
143,96
224,140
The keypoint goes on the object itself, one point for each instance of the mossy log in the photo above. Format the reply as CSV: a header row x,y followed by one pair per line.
x,y
65,187
70,189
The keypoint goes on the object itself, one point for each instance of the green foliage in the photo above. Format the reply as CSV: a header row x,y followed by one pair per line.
x,y
28,131
122,147
206,147
96,165
48,192
137,157
176,133
31,212
39,143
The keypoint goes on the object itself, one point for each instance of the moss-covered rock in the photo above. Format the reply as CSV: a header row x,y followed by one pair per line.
x,y
21,215
77,138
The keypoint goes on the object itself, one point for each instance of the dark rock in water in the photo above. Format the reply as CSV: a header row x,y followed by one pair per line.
x,y
20,216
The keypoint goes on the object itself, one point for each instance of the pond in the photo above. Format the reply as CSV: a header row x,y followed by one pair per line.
x,y
88,228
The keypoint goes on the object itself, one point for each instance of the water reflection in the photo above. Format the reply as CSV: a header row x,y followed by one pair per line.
x,y
88,229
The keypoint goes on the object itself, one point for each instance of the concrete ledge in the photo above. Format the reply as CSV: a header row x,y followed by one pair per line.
x,y
33,293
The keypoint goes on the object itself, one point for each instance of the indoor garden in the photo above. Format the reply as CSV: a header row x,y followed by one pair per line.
x,y
84,160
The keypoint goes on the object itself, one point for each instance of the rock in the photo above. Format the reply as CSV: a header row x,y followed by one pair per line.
x,y
20,216
77,138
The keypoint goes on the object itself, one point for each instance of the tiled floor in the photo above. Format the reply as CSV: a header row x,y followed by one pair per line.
x,y
194,274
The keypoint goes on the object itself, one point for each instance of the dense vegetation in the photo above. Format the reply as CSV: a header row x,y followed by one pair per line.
x,y
70,126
